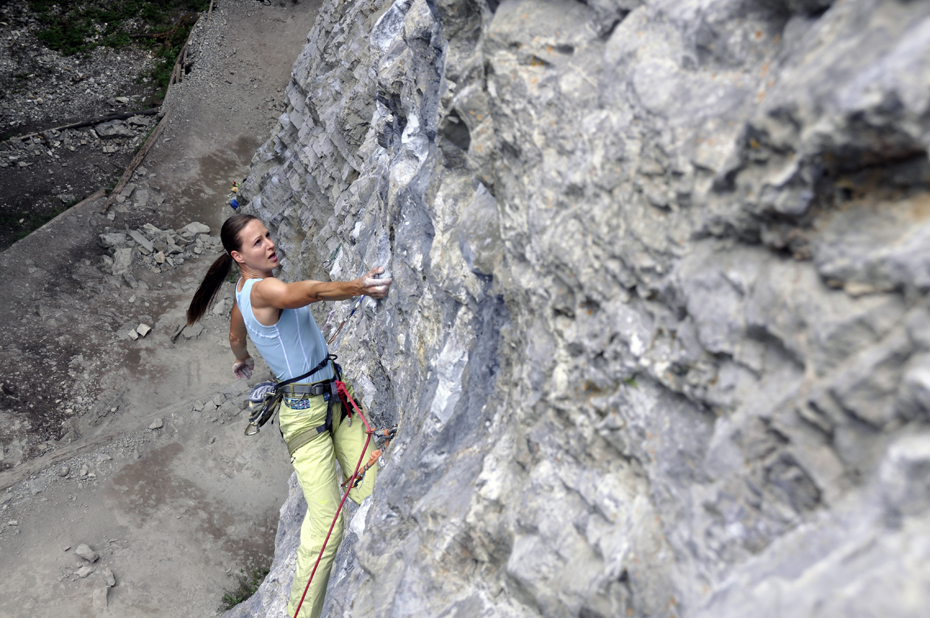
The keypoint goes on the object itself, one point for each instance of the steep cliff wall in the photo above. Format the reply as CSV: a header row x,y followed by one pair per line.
x,y
659,341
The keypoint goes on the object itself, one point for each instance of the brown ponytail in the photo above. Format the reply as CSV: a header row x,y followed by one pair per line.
x,y
220,269
208,288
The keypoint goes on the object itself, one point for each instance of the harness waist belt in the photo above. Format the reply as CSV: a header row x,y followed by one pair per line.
x,y
306,436
320,388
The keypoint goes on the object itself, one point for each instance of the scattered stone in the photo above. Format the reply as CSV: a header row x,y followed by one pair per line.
x,y
230,409
156,424
141,197
143,330
84,470
130,281
109,577
222,307
122,260
114,128
151,231
112,239
64,471
143,242
196,228
132,334
84,551
192,332
159,258
85,570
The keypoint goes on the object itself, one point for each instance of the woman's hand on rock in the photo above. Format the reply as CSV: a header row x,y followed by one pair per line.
x,y
243,368
374,287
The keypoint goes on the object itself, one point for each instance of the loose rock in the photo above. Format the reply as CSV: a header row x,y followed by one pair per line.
x,y
84,551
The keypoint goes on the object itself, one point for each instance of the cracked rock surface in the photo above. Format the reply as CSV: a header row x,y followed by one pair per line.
x,y
658,337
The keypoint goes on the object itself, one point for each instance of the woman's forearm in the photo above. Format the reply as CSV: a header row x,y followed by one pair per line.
x,y
239,347
315,291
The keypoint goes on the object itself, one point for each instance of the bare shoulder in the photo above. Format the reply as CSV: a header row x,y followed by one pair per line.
x,y
266,291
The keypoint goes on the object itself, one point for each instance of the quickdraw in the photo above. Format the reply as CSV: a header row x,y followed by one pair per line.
x,y
332,258
351,313
384,436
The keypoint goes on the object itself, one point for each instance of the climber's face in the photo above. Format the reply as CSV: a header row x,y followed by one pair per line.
x,y
256,249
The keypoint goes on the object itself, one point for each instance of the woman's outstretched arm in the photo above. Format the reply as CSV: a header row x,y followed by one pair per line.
x,y
272,293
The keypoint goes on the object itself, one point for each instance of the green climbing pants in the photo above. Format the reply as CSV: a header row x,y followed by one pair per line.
x,y
315,464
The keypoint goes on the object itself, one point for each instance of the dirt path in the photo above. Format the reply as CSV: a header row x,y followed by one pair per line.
x,y
119,443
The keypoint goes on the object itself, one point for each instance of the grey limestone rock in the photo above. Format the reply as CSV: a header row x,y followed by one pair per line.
x,y
142,241
84,551
658,337
114,128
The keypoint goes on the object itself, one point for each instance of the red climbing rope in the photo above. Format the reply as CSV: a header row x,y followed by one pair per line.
x,y
351,482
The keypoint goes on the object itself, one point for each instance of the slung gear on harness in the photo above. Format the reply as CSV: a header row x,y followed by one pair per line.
x,y
265,397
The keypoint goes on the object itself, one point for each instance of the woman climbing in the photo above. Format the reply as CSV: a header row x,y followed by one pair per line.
x,y
276,317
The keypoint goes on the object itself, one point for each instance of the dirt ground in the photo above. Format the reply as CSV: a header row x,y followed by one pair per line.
x,y
135,447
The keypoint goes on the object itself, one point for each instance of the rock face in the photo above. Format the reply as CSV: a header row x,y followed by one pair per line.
x,y
658,342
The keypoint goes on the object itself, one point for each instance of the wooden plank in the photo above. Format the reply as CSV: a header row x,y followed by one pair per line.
x,y
86,123
136,161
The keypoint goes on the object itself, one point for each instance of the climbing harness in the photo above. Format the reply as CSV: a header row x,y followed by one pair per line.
x,y
386,435
265,397
261,406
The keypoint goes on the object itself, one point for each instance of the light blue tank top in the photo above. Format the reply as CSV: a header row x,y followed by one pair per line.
x,y
291,347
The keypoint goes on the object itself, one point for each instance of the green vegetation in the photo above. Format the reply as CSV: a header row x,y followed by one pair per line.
x,y
80,27
248,584
145,139
25,223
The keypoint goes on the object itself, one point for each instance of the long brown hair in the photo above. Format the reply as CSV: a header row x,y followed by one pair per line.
x,y
219,270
